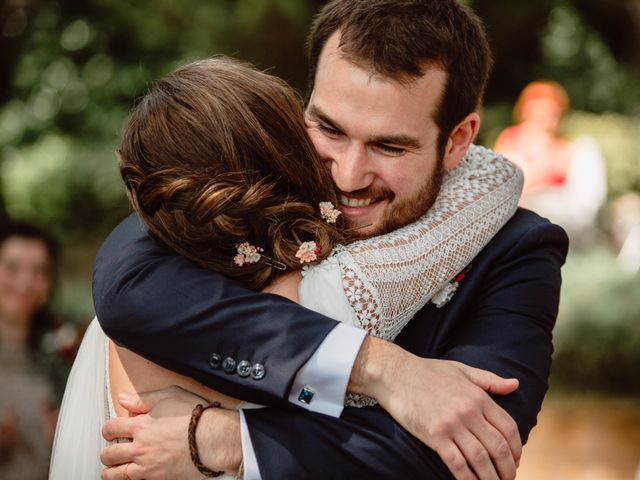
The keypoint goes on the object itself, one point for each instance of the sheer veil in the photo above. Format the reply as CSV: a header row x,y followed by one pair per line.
x,y
78,439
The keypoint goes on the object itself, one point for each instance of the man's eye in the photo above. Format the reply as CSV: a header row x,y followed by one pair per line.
x,y
389,150
332,132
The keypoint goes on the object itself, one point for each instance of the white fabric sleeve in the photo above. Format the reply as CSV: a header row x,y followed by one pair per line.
x,y
251,470
323,380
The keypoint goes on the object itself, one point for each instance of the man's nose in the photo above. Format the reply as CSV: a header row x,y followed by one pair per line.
x,y
351,168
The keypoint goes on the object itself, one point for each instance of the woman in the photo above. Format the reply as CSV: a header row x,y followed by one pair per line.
x,y
565,180
28,258
217,162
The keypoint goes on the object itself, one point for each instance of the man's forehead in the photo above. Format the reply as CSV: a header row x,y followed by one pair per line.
x,y
349,96
335,50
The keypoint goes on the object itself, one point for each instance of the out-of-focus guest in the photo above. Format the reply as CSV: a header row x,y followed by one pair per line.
x,y
28,258
622,222
564,180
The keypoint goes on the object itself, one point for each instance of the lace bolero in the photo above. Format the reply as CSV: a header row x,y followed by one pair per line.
x,y
385,280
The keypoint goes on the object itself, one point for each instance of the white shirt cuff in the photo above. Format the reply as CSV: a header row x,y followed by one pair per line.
x,y
251,470
321,383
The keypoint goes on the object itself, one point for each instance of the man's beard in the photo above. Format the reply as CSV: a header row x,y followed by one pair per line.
x,y
405,212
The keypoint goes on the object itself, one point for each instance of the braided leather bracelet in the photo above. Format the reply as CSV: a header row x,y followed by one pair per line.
x,y
193,447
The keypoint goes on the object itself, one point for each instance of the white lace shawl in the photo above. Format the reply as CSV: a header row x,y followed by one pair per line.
x,y
380,283
388,278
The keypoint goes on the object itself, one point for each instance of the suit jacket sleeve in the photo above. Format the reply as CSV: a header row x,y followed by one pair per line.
x,y
506,329
177,314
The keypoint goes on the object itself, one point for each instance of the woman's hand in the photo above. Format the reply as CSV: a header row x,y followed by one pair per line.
x,y
158,432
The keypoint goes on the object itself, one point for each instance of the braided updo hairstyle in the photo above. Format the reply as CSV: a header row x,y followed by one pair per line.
x,y
216,154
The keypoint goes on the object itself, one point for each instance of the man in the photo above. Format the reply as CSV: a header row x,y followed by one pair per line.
x,y
395,86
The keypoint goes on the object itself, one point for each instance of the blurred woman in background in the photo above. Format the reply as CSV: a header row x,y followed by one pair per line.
x,y
565,179
28,260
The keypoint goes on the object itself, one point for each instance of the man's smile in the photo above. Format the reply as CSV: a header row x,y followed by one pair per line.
x,y
354,202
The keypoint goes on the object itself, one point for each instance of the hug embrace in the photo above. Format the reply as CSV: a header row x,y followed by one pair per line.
x,y
349,282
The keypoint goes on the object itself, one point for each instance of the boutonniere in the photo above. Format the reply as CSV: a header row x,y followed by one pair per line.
x,y
442,296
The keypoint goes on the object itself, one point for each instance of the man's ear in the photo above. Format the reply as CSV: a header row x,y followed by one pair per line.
x,y
459,140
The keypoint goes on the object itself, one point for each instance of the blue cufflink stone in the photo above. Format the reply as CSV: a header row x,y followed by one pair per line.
x,y
258,371
215,361
244,368
229,365
306,395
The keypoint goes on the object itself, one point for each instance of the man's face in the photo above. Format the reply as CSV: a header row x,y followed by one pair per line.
x,y
379,139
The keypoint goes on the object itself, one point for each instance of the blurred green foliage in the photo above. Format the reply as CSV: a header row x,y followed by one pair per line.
x,y
597,337
617,135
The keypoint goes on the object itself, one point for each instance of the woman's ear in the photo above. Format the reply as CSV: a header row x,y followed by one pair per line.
x,y
461,137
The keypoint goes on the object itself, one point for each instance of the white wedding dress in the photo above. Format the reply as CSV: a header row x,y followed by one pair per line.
x,y
377,284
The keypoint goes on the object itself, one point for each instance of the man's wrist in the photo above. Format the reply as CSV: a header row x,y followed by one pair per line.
x,y
218,440
371,367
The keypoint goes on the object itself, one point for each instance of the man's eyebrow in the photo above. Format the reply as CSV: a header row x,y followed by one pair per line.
x,y
323,117
400,140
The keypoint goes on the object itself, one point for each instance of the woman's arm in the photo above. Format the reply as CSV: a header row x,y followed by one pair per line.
x,y
131,373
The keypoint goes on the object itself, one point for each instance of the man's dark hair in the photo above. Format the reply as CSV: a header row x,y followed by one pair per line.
x,y
398,38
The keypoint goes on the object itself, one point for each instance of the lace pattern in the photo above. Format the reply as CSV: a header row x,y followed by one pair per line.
x,y
387,279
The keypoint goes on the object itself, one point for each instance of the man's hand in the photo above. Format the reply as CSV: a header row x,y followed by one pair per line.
x,y
445,405
159,448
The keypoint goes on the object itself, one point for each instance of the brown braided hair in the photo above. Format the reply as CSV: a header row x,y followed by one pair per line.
x,y
216,154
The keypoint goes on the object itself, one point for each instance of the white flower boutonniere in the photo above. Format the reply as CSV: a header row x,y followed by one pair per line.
x,y
442,296
445,294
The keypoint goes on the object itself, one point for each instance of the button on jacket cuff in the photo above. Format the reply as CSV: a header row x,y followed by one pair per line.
x,y
327,372
251,470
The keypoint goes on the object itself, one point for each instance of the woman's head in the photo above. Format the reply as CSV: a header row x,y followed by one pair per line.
x,y
28,260
216,154
542,103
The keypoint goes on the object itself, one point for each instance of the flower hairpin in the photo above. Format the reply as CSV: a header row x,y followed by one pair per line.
x,y
308,252
328,212
249,254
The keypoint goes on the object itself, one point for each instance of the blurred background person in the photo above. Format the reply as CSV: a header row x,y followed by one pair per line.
x,y
28,259
565,180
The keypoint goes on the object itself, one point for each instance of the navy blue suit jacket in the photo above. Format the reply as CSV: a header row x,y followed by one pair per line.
x,y
164,307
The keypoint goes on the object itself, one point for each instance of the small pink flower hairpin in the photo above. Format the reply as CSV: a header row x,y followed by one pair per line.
x,y
247,254
308,252
328,212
